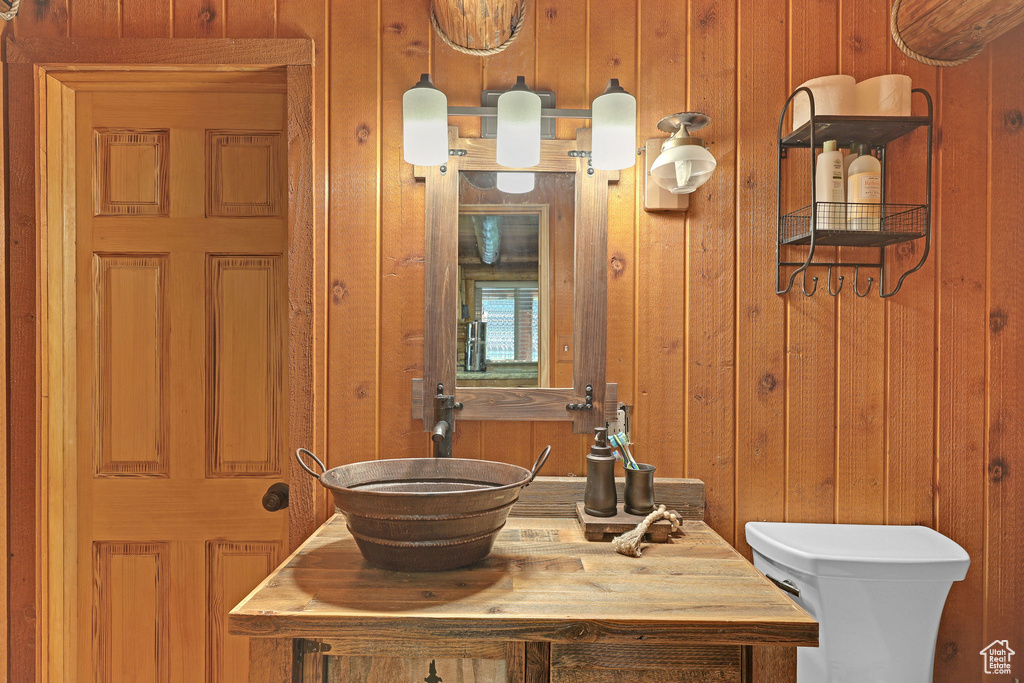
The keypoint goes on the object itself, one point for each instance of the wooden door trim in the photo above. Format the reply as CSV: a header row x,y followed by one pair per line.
x,y
52,204
226,54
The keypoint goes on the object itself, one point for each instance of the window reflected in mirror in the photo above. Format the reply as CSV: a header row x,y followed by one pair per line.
x,y
515,279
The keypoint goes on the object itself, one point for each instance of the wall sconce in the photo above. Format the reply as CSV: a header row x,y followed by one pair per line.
x,y
683,164
519,118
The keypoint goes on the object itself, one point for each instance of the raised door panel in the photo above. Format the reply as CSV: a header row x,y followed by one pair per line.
x,y
130,176
131,342
131,620
245,365
243,174
233,570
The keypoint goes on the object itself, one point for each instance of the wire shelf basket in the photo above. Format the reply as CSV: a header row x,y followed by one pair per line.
x,y
855,225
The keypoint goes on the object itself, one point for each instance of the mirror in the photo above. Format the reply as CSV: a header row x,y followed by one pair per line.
x,y
515,275
469,219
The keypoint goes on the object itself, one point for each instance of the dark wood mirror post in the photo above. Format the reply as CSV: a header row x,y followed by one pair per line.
x,y
590,310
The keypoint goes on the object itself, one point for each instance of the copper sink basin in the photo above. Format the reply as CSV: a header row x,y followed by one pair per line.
x,y
424,514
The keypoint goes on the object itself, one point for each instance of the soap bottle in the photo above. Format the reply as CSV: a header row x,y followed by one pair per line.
x,y
599,498
864,191
849,159
829,188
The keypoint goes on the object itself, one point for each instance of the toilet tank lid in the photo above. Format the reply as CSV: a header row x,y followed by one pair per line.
x,y
866,551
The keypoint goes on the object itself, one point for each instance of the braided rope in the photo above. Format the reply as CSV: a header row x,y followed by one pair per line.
x,y
894,29
12,11
629,543
477,52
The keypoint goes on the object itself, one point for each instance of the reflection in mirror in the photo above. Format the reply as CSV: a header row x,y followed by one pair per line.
x,y
515,279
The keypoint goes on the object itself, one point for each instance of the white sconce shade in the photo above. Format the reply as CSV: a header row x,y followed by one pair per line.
x,y
425,124
518,127
515,183
684,168
614,129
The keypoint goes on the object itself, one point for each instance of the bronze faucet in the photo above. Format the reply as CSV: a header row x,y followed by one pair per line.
x,y
442,433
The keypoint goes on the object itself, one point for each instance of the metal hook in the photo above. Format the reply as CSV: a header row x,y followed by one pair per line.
x,y
840,288
803,285
856,283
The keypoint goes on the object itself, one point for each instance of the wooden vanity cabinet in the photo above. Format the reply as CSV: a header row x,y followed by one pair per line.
x,y
545,605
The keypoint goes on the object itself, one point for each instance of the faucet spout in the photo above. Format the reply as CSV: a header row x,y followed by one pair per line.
x,y
443,431
440,432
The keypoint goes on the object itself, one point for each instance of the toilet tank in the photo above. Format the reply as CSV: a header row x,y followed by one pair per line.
x,y
876,591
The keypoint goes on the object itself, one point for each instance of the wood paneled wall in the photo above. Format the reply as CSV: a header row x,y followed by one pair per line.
x,y
789,408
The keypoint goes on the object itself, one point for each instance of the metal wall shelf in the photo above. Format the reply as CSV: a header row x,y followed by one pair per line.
x,y
876,131
895,223
844,224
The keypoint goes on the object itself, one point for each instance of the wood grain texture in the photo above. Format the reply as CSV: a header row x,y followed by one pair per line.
x,y
761,314
860,474
243,173
245,389
180,51
478,26
507,403
131,173
353,264
590,288
5,455
710,416
131,331
132,622
233,569
941,29
613,54
405,40
135,300
553,496
911,333
596,528
1004,585
660,306
440,287
305,350
811,324
786,368
276,653
48,20
963,222
327,591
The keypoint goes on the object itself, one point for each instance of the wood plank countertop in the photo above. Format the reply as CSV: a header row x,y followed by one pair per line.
x,y
542,582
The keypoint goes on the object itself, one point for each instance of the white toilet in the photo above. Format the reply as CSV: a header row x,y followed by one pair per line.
x,y
877,593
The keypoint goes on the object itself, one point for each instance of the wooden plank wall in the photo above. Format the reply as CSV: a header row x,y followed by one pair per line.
x,y
851,410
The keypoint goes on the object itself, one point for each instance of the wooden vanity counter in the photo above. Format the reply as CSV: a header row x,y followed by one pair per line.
x,y
546,604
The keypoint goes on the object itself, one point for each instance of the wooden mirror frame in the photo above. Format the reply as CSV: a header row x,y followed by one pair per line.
x,y
590,289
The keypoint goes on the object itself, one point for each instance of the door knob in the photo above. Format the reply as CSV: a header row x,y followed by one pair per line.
x,y
276,497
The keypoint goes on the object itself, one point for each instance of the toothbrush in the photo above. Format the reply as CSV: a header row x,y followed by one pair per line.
x,y
620,440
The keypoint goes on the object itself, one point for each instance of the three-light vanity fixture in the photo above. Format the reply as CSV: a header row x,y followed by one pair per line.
x,y
520,117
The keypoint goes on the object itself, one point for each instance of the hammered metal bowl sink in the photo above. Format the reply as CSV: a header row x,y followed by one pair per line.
x,y
424,514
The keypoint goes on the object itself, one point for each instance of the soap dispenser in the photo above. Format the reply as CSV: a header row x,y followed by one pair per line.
x,y
599,498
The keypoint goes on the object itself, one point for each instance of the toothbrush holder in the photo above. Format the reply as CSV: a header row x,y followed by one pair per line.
x,y
639,494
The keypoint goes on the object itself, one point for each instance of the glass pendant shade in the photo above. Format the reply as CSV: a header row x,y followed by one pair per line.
x,y
518,127
425,124
614,129
515,183
683,168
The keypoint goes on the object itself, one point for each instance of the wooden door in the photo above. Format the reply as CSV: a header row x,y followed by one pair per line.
x,y
181,365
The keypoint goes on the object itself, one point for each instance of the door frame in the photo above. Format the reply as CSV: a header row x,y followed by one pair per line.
x,y
53,206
